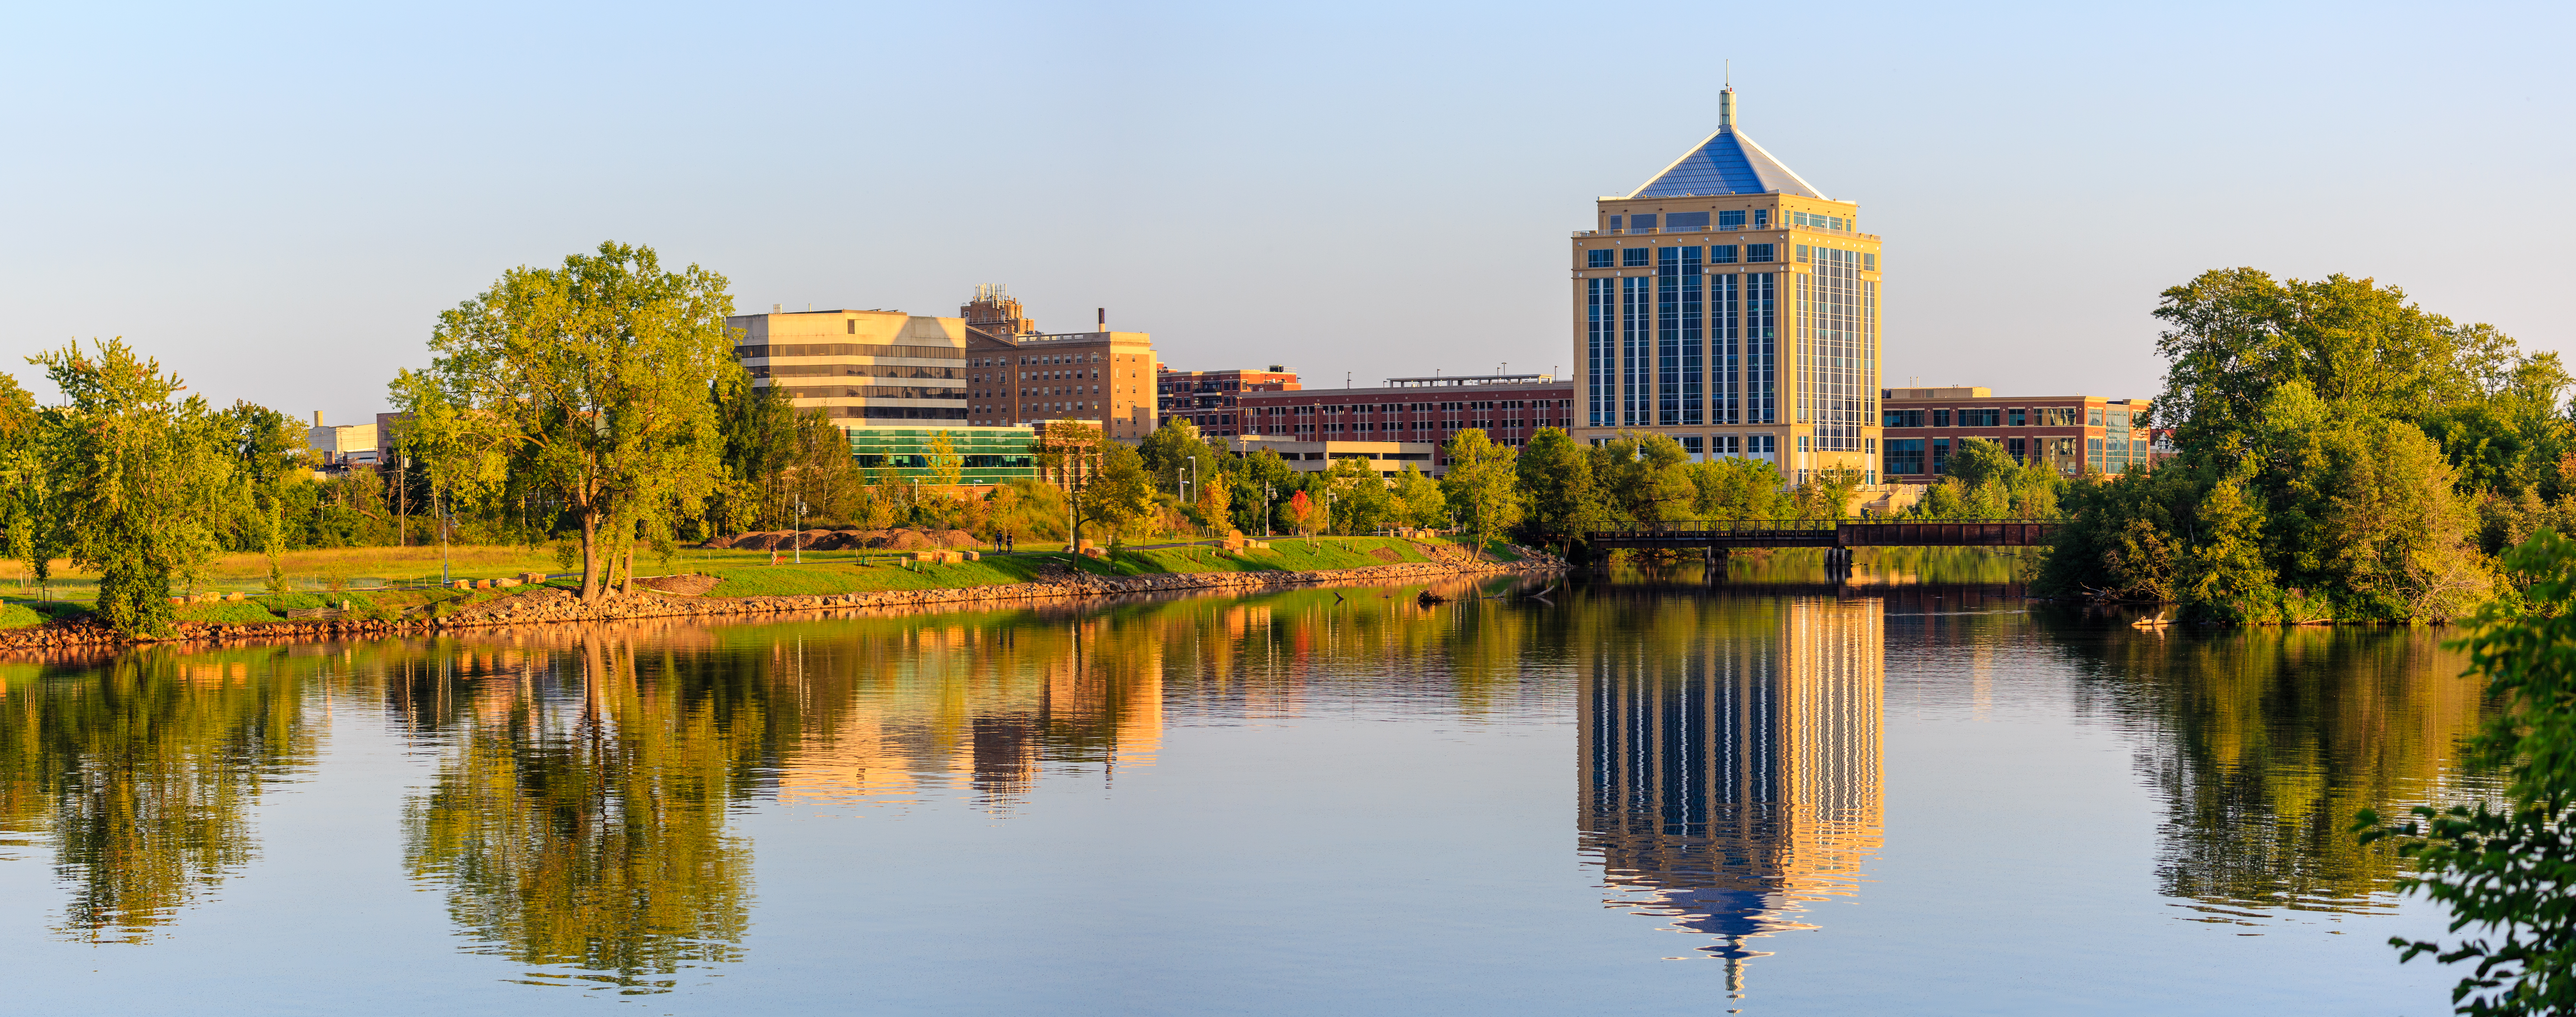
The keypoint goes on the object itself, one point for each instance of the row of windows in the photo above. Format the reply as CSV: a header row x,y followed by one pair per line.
x,y
1491,404
1814,221
1401,426
1727,220
1718,254
1985,416
872,392
1806,253
848,350
2117,454
854,371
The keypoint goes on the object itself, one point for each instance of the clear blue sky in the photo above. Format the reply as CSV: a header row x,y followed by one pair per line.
x,y
277,200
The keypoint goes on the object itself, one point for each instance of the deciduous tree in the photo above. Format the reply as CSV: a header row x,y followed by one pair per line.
x,y
594,381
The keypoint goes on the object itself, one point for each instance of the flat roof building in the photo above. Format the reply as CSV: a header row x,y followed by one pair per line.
x,y
1509,407
1212,400
1017,375
2073,434
860,368
1727,303
1308,456
986,455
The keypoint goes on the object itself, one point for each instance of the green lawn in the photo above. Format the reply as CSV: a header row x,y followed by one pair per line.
x,y
749,574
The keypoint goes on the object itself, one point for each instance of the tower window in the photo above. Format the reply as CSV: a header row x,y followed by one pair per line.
x,y
1614,223
1634,257
1641,223
854,325
1686,221
1721,254
1868,262
1731,220
1597,259
1761,218
1758,252
1802,254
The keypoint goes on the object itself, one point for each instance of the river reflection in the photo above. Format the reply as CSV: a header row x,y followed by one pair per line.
x,y
1731,758
581,805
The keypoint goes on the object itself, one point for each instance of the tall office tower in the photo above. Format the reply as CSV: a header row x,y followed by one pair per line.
x,y
1730,305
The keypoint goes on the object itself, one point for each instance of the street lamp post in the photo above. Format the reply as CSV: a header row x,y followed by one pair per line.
x,y
799,539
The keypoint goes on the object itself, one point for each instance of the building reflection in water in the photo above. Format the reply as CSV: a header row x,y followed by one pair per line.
x,y
1731,761
979,705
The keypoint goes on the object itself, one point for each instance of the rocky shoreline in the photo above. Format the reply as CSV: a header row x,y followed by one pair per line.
x,y
548,606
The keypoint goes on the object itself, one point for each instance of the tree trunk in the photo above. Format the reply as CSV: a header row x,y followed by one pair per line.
x,y
590,584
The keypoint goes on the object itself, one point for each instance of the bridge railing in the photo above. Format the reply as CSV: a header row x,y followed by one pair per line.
x,y
1735,525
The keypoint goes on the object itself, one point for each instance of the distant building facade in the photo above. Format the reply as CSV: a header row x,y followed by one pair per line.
x,y
1922,428
1315,456
1730,305
1510,408
342,444
1019,376
987,367
1212,400
861,368
986,455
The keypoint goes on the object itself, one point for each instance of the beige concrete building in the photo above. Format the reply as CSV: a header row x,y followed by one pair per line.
x,y
1018,375
862,368
1731,305
342,443
1312,456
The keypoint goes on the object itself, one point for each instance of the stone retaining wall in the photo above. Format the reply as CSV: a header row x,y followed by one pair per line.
x,y
552,605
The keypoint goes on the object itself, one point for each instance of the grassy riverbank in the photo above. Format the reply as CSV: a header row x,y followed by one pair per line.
x,y
740,573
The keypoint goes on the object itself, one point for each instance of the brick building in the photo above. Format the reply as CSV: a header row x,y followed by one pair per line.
x,y
1017,375
2074,434
1509,407
1212,400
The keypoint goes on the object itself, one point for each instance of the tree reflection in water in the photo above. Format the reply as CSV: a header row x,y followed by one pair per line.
x,y
578,816
142,774
2264,743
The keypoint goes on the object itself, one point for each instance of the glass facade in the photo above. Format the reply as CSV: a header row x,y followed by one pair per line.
x,y
1601,358
1837,376
1726,327
1678,343
1636,379
986,455
1761,348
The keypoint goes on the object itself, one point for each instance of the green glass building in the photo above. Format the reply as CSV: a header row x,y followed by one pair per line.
x,y
992,455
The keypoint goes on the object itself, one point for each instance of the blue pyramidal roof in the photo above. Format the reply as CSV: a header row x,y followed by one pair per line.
x,y
1727,163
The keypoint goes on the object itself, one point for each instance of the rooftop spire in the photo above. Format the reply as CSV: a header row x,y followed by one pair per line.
x,y
1726,163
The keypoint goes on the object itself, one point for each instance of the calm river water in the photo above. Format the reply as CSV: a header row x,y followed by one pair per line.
x,y
1643,794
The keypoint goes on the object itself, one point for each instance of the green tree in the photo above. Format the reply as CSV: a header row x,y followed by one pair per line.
x,y
1167,454
1418,499
131,474
2504,870
1116,493
267,458
1643,479
22,480
1361,501
1260,481
1481,486
1557,489
759,426
594,380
